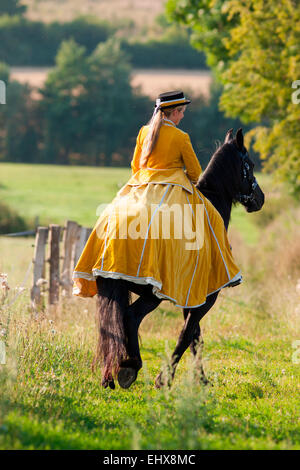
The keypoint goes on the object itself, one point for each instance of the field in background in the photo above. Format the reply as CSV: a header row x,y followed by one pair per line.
x,y
142,12
151,82
29,189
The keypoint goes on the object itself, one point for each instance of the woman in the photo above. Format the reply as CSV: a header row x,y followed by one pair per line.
x,y
159,229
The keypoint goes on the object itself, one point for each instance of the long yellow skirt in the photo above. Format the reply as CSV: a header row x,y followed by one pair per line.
x,y
159,230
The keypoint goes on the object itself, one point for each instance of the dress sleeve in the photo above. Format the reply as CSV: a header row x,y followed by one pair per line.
x,y
191,162
137,154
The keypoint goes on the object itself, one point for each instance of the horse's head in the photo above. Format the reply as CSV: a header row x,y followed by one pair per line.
x,y
249,193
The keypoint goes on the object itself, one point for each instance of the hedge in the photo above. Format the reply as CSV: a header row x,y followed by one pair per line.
x,y
34,43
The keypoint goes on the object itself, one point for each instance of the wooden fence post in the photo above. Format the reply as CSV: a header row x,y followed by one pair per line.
x,y
54,264
70,236
38,264
74,240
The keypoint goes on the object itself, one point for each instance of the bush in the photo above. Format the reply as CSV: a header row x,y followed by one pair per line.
x,y
10,220
20,122
163,54
24,42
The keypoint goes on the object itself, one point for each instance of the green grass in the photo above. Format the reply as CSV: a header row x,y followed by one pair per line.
x,y
59,193
53,401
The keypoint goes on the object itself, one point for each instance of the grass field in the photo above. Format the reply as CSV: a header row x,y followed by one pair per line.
x,y
50,399
55,194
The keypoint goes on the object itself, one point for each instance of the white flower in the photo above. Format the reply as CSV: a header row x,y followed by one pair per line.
x,y
20,289
3,281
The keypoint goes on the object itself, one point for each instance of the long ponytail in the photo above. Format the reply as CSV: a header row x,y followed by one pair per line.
x,y
151,138
153,133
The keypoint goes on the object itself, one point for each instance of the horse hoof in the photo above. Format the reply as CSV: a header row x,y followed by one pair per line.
x,y
111,384
104,383
205,381
108,383
159,382
126,376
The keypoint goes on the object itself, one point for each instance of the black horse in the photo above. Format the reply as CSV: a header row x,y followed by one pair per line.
x,y
228,179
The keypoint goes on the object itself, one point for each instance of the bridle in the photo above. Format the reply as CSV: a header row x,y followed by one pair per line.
x,y
251,180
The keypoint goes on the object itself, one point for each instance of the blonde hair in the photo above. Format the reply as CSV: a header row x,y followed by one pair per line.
x,y
154,127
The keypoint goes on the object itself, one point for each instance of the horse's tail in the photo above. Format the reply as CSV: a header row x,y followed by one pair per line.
x,y
112,304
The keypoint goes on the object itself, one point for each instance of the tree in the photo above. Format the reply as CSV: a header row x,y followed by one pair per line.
x,y
257,59
19,121
210,23
265,62
90,111
12,7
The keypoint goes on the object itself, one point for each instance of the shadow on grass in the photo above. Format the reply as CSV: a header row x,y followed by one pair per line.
x,y
61,422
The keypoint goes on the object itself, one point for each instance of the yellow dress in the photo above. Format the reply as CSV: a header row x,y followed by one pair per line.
x,y
160,230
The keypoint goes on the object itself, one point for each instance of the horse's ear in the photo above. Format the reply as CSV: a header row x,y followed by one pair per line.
x,y
239,139
228,136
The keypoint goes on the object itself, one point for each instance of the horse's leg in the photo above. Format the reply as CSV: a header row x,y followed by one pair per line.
x,y
196,348
129,368
185,338
112,305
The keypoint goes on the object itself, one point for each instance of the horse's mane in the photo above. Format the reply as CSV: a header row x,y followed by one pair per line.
x,y
222,174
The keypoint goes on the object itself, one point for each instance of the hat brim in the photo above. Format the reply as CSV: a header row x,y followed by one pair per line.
x,y
166,106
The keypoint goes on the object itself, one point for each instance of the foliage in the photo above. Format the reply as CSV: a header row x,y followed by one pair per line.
x,y
12,7
10,220
210,23
24,42
253,46
80,108
168,46
34,43
158,53
265,65
19,120
90,111
207,125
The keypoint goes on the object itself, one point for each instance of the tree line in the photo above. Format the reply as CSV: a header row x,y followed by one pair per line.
x,y
87,112
35,43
